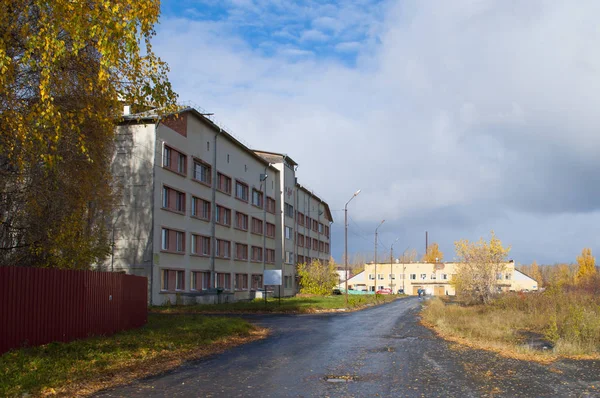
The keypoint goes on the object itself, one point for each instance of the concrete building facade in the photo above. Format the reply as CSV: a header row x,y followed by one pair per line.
x,y
201,215
435,278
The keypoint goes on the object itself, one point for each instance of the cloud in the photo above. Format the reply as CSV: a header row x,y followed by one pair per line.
x,y
453,117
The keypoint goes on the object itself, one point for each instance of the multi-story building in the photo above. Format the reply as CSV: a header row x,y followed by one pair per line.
x,y
305,218
201,215
435,278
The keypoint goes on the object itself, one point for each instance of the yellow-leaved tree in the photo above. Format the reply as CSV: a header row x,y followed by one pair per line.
x,y
536,273
317,277
433,254
480,264
586,266
65,69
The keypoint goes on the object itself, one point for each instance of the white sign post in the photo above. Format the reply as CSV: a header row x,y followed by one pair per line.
x,y
272,277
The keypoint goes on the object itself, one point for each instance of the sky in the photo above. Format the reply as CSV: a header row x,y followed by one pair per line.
x,y
456,118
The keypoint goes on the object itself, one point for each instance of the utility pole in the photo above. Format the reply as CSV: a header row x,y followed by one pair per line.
x,y
346,244
391,264
375,287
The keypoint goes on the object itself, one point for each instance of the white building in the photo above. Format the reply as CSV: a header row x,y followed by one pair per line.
x,y
202,215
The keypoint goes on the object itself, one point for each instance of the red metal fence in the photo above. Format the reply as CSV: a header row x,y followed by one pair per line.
x,y
38,306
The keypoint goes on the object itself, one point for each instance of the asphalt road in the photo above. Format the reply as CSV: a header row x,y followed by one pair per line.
x,y
378,352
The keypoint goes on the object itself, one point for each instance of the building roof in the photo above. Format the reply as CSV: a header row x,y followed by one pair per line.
x,y
276,155
154,116
308,191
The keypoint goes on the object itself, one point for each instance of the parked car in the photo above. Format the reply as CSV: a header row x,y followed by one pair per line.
x,y
336,292
385,291
400,291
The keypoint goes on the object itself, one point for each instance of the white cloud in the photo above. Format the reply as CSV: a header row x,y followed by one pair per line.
x,y
453,110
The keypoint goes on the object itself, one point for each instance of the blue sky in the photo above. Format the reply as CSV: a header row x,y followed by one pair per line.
x,y
302,29
456,117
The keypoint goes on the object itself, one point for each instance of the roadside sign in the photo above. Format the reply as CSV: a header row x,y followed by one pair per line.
x,y
272,277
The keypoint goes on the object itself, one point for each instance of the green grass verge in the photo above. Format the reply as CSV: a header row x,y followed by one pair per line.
x,y
298,304
58,366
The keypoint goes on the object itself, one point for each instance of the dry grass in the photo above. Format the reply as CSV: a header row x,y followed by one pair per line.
x,y
83,367
569,320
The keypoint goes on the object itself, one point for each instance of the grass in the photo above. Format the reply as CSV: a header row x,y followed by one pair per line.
x,y
569,320
301,304
84,366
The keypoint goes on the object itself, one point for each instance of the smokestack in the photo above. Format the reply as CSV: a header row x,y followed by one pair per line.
x,y
426,242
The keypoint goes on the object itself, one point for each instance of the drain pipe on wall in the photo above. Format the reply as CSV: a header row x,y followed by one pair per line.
x,y
213,218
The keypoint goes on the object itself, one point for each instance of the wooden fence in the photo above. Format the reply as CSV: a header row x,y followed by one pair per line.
x,y
39,306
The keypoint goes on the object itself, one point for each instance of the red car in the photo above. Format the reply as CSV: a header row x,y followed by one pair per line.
x,y
384,291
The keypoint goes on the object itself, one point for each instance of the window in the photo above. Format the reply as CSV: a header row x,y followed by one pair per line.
x,y
256,253
241,281
270,230
172,280
202,172
423,276
166,156
174,160
380,277
257,198
200,280
327,248
371,277
257,281
271,205
288,232
413,276
173,200
300,259
223,280
445,277
200,245
257,226
315,225
241,191
270,256
223,248
320,228
508,276
241,251
300,218
172,240
289,257
300,240
241,221
200,208
289,210
223,216
321,246
307,222
433,276
307,242
392,276
327,231
499,276
288,282
401,276
224,183
315,244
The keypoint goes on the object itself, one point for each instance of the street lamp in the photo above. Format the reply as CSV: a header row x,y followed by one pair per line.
x,y
375,287
404,269
391,263
346,243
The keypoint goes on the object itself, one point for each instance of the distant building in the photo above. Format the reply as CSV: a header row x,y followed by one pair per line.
x,y
436,278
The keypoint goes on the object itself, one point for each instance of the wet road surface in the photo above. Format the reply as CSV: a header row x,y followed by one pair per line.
x,y
378,352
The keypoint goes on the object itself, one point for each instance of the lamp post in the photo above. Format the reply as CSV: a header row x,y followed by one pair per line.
x,y
391,264
404,270
346,243
375,287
